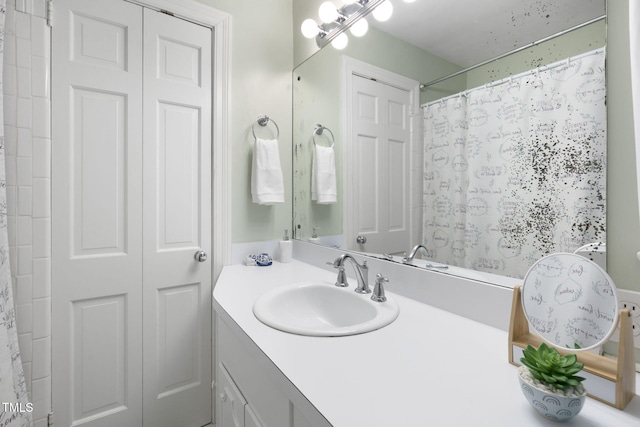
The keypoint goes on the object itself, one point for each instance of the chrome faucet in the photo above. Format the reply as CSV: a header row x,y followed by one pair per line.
x,y
362,273
409,259
413,253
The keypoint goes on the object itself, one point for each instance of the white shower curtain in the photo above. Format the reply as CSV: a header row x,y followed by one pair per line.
x,y
15,410
516,170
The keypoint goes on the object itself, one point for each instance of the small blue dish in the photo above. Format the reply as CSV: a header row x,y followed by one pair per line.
x,y
263,260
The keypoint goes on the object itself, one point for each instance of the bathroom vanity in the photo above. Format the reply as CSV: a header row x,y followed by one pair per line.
x,y
428,367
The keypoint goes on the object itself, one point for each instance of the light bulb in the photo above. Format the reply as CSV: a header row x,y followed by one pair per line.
x,y
359,28
328,12
309,28
340,42
384,11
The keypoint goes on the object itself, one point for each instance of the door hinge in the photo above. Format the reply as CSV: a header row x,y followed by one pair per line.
x,y
50,419
50,13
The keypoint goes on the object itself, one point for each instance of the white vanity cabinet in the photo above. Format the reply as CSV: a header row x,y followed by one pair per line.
x,y
234,411
232,405
249,393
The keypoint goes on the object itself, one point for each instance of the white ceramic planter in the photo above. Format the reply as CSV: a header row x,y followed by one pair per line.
x,y
553,406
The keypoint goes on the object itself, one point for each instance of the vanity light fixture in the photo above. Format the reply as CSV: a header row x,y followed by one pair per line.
x,y
383,12
360,27
328,12
309,28
340,42
335,21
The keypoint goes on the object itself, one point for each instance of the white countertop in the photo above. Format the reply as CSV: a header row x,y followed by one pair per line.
x,y
428,367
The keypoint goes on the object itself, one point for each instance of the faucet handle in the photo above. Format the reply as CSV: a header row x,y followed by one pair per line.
x,y
341,281
378,289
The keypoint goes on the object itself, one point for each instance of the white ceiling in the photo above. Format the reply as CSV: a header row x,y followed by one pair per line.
x,y
467,32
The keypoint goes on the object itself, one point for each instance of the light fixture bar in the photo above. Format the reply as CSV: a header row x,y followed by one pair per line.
x,y
350,13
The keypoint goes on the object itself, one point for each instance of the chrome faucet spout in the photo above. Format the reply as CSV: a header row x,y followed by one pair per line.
x,y
362,273
409,258
412,254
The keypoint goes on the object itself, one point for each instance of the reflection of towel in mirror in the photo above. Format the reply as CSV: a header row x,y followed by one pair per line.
x,y
267,185
323,176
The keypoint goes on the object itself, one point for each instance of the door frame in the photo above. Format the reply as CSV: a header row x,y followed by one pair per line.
x,y
351,68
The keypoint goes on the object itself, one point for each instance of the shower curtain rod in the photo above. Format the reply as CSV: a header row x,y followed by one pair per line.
x,y
423,86
516,76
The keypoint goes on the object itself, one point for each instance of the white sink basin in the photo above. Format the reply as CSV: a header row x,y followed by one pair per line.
x,y
321,309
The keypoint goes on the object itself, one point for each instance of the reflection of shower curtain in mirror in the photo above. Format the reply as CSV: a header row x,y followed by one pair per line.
x,y
516,170
14,410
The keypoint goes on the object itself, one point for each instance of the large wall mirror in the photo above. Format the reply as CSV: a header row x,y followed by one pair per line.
x,y
488,169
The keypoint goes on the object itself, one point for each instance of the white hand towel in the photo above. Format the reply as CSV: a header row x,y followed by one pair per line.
x,y
267,185
324,189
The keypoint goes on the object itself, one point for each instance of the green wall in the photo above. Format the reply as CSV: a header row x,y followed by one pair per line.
x,y
261,64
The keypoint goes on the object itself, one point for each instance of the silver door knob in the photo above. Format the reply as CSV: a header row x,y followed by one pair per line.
x,y
361,239
200,256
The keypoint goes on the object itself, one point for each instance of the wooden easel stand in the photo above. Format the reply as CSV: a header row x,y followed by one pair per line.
x,y
610,381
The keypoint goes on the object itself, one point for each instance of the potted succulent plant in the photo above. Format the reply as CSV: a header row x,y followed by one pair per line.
x,y
550,384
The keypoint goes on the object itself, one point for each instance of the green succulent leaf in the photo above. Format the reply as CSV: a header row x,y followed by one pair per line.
x,y
573,382
569,360
547,365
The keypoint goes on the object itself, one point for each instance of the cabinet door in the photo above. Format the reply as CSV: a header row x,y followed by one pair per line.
x,y
231,408
250,418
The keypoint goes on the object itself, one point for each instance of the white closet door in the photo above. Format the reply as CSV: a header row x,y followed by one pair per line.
x,y
381,167
96,214
177,222
131,204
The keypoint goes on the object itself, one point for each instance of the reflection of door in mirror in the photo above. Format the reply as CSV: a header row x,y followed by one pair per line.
x,y
380,136
378,142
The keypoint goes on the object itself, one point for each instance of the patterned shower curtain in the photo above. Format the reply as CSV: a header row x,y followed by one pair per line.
x,y
516,170
15,410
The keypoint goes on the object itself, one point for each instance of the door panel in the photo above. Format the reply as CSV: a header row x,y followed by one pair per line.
x,y
178,176
397,204
368,203
99,172
177,222
96,213
98,41
99,336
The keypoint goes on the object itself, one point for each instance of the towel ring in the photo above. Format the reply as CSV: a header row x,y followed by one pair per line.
x,y
319,130
264,120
